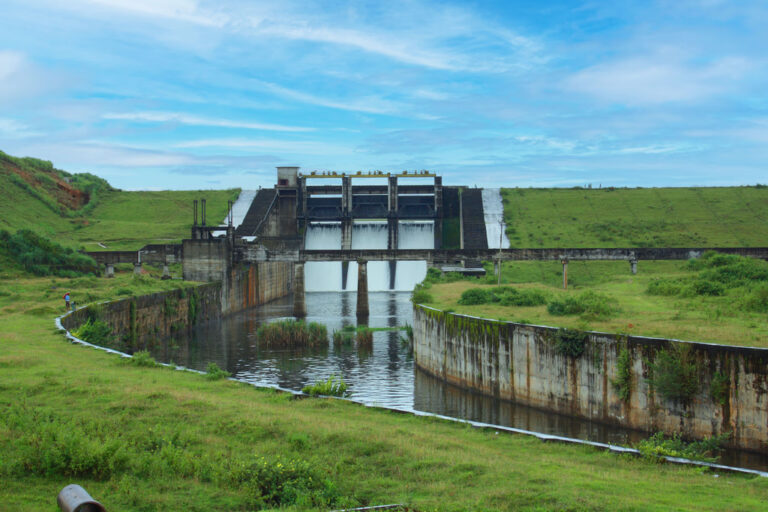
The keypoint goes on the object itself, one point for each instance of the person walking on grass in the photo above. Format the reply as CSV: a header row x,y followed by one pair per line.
x,y
66,300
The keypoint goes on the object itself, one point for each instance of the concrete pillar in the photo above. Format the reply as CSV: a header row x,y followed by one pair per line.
x,y
303,193
299,303
392,200
137,269
438,196
564,261
633,266
392,233
392,274
438,232
392,226
362,291
166,272
109,270
346,234
346,195
344,274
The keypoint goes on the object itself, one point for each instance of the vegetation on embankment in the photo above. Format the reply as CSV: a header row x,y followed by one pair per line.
x,y
84,210
42,257
141,437
719,299
637,217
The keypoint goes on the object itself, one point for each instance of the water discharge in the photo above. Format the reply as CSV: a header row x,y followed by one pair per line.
x,y
493,210
240,207
327,276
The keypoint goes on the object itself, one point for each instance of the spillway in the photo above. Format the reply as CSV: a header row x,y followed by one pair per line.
x,y
327,276
240,207
323,276
493,211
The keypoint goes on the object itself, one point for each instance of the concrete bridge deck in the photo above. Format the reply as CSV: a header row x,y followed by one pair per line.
x,y
256,253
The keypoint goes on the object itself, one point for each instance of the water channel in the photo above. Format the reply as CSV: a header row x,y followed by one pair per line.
x,y
383,376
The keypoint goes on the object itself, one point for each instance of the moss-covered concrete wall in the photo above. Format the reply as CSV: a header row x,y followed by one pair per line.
x,y
526,364
136,320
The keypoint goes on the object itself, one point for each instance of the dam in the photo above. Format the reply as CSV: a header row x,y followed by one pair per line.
x,y
348,252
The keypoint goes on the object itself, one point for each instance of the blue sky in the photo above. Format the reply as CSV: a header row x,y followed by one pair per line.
x,y
196,94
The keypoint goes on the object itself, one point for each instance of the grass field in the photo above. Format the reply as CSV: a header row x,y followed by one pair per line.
x,y
644,217
129,220
142,438
118,219
717,319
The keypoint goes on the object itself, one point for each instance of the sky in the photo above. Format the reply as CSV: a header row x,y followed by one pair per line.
x,y
191,94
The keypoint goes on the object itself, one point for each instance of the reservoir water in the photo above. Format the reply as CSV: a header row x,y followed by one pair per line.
x,y
383,375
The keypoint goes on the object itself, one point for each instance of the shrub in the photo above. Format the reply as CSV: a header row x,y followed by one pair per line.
x,y
570,342
279,482
674,373
705,287
330,387
589,304
96,332
144,359
421,295
758,299
664,287
475,296
214,372
659,446
525,297
293,333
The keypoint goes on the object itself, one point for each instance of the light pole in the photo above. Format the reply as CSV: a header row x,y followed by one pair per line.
x,y
501,231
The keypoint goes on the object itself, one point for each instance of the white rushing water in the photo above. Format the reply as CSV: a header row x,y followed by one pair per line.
x,y
413,235
493,210
323,276
240,207
327,276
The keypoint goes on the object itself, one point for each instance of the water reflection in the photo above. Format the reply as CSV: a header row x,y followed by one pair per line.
x,y
381,374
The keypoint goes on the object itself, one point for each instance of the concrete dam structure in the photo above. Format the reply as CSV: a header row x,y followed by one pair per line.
x,y
318,212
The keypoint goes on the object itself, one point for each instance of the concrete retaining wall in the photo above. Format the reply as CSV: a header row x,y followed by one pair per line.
x,y
136,320
243,285
520,363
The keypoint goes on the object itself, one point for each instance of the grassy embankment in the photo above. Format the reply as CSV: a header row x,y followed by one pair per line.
x,y
38,196
147,438
733,313
648,217
730,318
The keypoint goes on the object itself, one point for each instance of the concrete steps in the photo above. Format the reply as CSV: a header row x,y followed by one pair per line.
x,y
473,221
257,212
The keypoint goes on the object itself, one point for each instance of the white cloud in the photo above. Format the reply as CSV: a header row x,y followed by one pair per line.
x,y
181,118
180,10
271,145
652,80
10,63
387,45
370,104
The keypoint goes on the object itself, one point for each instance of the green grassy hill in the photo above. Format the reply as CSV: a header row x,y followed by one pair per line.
x,y
84,210
642,217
